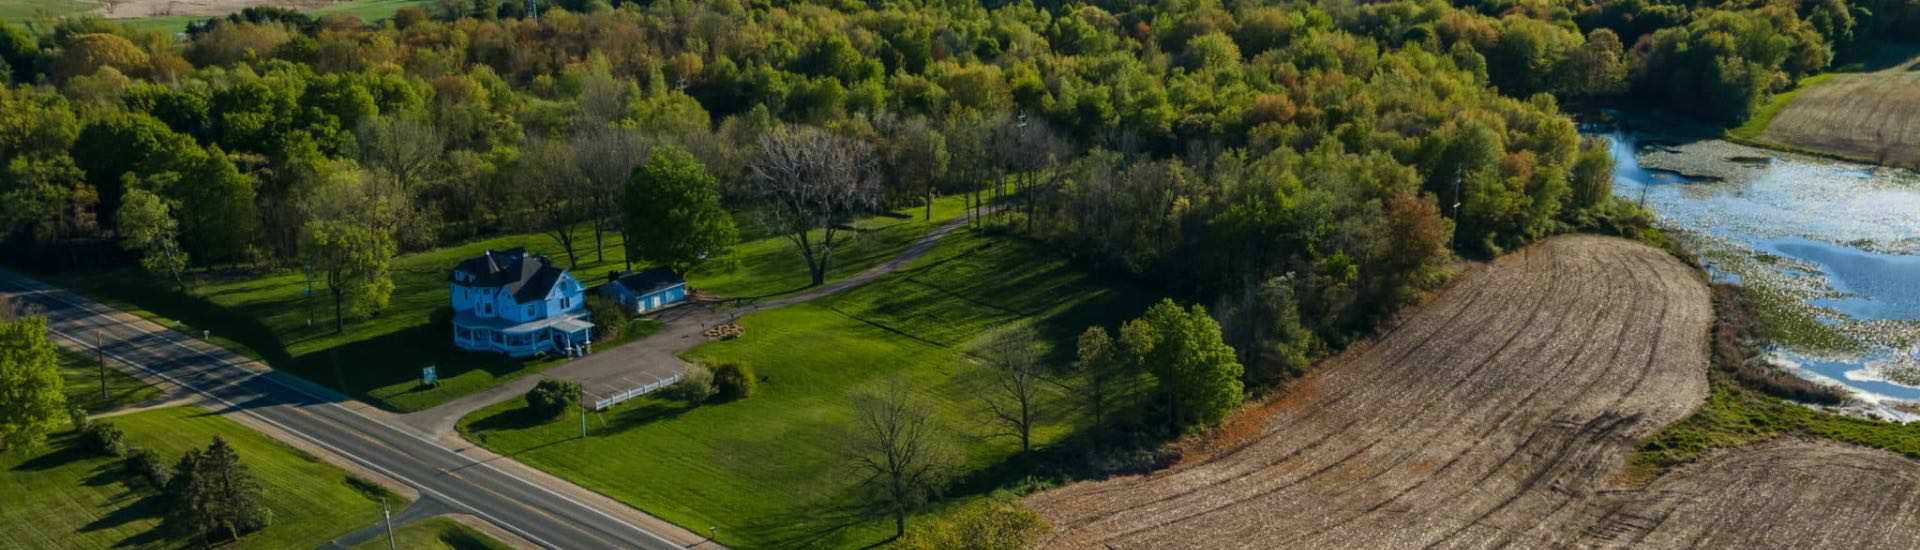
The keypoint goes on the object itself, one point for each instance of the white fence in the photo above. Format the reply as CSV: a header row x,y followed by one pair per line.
x,y
622,397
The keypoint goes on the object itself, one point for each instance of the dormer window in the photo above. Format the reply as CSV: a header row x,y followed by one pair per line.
x,y
486,308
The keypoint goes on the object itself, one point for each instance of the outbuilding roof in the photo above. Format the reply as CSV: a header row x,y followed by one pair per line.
x,y
650,281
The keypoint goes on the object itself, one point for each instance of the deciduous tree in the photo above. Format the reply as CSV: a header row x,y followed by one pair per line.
x,y
672,213
353,260
813,183
147,226
895,451
32,394
1197,372
1010,367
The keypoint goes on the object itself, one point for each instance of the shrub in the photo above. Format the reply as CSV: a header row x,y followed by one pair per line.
x,y
552,397
105,438
78,417
145,470
609,319
695,386
998,522
732,382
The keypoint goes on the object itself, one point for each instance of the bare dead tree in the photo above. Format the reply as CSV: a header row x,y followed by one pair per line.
x,y
403,150
894,450
1011,368
1029,151
605,157
811,180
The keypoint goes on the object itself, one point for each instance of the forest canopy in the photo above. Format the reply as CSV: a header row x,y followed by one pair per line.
x,y
1307,168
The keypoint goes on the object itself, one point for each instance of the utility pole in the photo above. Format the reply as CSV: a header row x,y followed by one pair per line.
x,y
387,514
100,358
583,413
1456,209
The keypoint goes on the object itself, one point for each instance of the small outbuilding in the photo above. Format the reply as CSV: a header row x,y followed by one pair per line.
x,y
646,291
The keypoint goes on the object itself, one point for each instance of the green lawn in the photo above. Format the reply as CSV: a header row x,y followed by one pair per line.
x,y
82,377
436,533
63,498
17,11
1756,125
772,266
763,470
378,360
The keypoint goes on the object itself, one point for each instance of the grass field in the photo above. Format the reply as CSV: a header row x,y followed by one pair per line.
x,y
436,534
21,11
378,360
763,469
82,376
63,498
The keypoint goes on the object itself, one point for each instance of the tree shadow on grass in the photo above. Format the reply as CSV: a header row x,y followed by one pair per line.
x,y
65,450
149,506
361,367
830,522
197,312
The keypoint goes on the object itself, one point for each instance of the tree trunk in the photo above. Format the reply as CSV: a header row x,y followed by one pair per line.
x,y
899,521
339,322
599,247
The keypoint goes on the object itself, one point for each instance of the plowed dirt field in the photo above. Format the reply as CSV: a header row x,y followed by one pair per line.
x,y
1496,415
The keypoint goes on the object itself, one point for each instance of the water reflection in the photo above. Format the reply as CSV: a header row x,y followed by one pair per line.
x,y
1842,237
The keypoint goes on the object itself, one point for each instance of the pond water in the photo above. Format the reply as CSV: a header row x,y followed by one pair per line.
x,y
1840,241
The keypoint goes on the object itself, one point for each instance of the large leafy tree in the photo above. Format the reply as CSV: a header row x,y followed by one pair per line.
x,y
354,260
147,226
32,400
672,215
216,206
1198,374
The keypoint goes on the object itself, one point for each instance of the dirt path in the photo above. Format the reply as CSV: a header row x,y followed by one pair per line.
x,y
1487,418
657,356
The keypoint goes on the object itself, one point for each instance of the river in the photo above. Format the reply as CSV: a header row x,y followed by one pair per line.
x,y
1833,246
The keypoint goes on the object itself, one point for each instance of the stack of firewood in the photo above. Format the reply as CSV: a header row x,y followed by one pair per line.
x,y
725,331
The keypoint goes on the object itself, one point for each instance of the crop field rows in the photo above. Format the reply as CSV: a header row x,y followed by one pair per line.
x,y
1495,416
1873,117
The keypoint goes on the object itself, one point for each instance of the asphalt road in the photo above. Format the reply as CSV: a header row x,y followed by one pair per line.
x,y
535,513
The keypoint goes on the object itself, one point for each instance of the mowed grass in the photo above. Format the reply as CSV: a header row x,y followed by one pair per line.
x,y
764,470
378,360
62,497
83,384
437,533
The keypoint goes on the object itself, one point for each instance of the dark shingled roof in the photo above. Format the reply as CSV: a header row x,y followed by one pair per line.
x,y
527,279
650,281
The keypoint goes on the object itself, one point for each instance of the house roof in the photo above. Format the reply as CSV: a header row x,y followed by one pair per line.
x,y
528,279
651,281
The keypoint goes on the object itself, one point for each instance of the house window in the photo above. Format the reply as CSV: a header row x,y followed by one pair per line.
x,y
529,311
565,303
486,308
466,333
495,337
